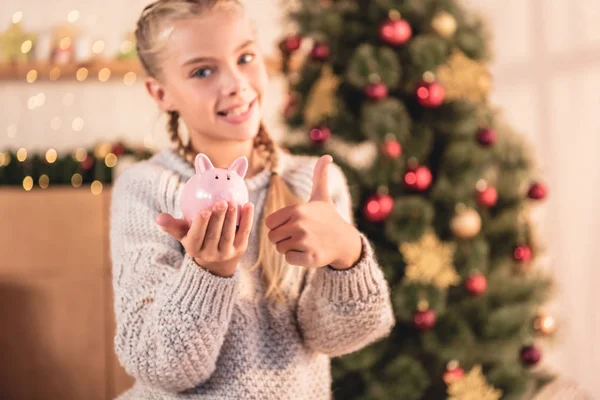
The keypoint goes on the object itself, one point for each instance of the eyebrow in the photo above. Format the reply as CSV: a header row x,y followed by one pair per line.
x,y
204,59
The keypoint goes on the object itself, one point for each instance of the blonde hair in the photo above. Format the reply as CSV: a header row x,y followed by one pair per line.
x,y
153,26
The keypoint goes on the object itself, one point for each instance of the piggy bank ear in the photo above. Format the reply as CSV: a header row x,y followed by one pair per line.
x,y
202,163
240,166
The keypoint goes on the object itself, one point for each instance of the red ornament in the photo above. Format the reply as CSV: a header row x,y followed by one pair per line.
x,y
118,149
424,320
319,135
87,163
320,51
418,179
378,207
537,191
430,94
530,355
392,148
291,43
453,375
487,197
395,31
376,91
523,254
487,136
476,284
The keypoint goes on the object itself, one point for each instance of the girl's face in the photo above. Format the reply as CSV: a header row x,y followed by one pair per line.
x,y
214,76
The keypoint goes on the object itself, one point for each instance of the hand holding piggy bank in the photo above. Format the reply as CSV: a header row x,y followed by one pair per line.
x,y
211,185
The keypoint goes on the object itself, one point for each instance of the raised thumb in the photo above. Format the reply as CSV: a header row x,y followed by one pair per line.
x,y
320,188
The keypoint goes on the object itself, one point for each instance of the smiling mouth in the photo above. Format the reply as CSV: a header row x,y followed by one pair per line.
x,y
234,112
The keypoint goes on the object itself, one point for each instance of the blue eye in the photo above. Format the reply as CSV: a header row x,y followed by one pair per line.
x,y
202,73
246,58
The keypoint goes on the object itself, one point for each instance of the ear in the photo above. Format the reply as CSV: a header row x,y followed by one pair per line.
x,y
202,163
240,166
157,91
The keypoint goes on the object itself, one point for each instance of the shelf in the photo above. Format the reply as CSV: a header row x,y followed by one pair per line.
x,y
56,72
118,69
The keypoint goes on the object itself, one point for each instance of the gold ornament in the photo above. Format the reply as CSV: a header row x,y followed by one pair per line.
x,y
466,223
444,24
16,44
429,261
544,324
321,99
473,387
465,79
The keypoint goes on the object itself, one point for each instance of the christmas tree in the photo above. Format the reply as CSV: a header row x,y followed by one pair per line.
x,y
397,91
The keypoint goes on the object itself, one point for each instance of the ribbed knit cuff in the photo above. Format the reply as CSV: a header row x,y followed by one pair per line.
x,y
198,289
355,284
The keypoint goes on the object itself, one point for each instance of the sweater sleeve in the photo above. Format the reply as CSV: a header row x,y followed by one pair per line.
x,y
171,315
342,311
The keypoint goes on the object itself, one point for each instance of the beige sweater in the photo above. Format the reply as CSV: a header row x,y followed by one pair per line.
x,y
184,333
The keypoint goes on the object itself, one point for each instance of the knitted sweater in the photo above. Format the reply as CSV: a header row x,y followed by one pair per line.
x,y
185,333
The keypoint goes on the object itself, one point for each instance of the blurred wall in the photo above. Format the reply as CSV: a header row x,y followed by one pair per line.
x,y
547,80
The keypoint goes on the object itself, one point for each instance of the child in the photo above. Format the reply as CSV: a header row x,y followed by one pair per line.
x,y
208,311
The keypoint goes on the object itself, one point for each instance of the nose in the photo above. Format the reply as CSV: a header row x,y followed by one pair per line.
x,y
234,82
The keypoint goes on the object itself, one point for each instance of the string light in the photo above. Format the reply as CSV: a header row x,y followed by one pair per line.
x,y
51,156
32,76
110,160
98,47
22,154
68,99
104,74
54,73
96,187
4,159
44,181
28,183
82,74
73,16
76,180
77,124
26,46
80,154
17,17
126,46
12,130
129,78
40,99
32,103
65,43
55,123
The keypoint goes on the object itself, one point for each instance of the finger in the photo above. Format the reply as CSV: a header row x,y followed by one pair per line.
x,y
215,227
290,244
282,232
228,234
197,232
298,258
246,220
279,217
175,227
320,188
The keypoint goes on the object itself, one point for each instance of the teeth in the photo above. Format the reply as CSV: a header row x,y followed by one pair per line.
x,y
238,110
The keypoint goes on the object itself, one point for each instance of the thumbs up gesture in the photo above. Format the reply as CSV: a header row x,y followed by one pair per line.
x,y
314,234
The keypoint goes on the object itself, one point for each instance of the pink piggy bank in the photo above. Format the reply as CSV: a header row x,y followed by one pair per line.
x,y
211,185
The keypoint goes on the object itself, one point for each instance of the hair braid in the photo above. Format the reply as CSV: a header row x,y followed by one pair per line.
x,y
173,128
